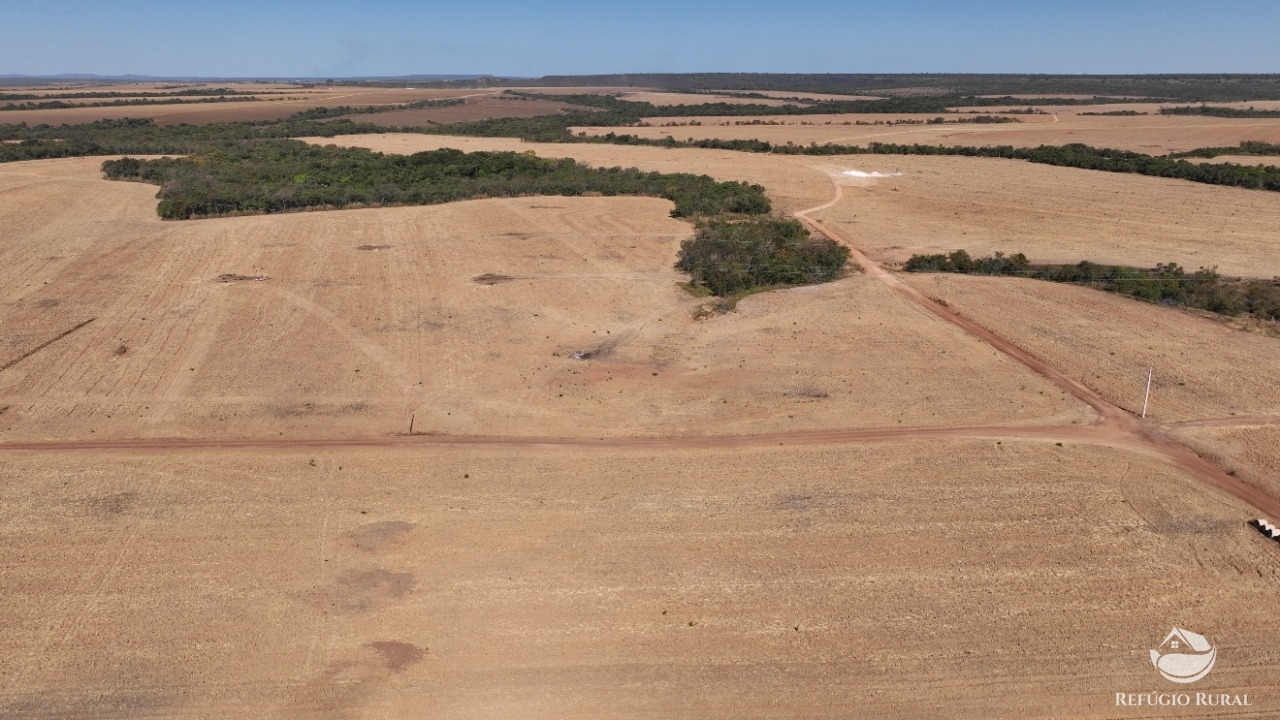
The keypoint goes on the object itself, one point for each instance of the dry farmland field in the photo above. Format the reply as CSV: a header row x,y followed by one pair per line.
x,y
1152,134
267,101
489,459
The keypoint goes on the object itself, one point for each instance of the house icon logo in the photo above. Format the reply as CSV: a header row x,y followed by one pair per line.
x,y
1184,657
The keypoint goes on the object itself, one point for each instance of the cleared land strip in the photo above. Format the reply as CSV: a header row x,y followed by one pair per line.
x,y
45,344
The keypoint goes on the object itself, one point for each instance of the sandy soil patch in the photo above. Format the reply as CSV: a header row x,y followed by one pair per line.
x,y
1055,215
1155,135
1203,368
610,584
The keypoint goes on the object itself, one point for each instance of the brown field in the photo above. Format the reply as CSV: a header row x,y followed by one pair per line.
x,y
845,500
1053,214
369,317
667,99
475,108
1249,447
282,102
1202,367
787,94
1151,134
904,580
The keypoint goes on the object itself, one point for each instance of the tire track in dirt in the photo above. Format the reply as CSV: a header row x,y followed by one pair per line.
x,y
1100,435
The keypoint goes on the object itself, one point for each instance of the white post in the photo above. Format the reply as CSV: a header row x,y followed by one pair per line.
x,y
1148,395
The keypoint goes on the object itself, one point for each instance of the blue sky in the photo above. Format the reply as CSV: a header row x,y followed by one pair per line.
x,y
325,38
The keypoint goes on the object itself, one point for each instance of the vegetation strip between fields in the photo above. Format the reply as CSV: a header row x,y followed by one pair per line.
x,y
1166,283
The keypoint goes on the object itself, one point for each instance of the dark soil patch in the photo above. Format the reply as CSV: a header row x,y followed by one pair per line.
x,y
363,590
492,278
398,655
373,247
380,535
233,277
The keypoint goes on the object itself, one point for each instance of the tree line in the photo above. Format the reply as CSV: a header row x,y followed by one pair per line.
x,y
273,176
1166,283
127,102
190,92
1219,111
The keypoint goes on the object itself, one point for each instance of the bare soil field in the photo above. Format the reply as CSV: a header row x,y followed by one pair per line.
x,y
1053,214
268,107
583,90
154,87
1061,96
972,580
668,99
1151,134
840,500
1203,367
475,108
357,321
788,94
1249,447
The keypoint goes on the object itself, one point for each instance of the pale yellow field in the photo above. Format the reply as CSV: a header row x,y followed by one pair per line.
x,y
282,102
668,98
1154,134
367,318
1245,446
787,94
838,501
1242,159
1202,367
1019,580
1053,214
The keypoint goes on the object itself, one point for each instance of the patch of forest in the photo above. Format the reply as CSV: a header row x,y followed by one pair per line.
x,y
730,258
125,102
1219,111
272,176
1166,283
107,94
1251,147
142,136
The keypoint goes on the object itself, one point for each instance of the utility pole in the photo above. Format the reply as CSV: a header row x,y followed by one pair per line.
x,y
1148,395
